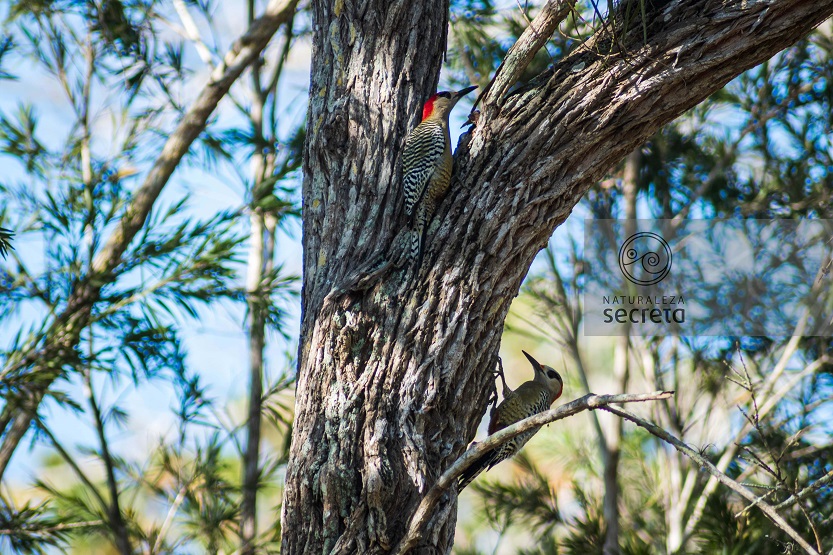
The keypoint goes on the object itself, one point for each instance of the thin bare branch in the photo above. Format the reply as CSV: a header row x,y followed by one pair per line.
x,y
75,468
278,71
755,503
193,33
169,519
116,519
823,481
426,507
521,53
692,454
465,58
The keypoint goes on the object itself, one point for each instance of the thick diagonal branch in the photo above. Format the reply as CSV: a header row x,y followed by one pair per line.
x,y
243,52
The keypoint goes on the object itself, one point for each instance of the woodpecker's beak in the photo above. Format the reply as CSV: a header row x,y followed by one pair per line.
x,y
535,364
460,94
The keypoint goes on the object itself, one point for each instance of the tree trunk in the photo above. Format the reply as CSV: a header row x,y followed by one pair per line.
x,y
393,379
256,299
621,374
257,343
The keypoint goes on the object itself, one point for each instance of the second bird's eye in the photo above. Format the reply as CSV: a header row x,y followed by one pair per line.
x,y
552,374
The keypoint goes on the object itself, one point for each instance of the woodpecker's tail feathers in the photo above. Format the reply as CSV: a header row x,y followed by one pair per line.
x,y
416,247
484,462
419,233
361,279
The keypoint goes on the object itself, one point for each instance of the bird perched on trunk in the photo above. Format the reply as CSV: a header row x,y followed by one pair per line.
x,y
529,399
426,165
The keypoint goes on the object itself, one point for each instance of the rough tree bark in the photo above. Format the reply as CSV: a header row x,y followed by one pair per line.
x,y
394,379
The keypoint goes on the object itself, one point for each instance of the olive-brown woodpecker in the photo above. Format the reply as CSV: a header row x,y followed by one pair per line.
x,y
528,400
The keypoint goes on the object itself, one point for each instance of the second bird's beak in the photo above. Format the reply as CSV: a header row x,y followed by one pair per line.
x,y
535,364
460,94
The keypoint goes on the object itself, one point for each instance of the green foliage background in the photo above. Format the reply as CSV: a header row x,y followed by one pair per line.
x,y
127,70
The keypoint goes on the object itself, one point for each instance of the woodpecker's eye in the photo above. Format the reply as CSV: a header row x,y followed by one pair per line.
x,y
552,374
444,94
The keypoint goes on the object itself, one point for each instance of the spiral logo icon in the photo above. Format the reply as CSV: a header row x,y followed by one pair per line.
x,y
645,258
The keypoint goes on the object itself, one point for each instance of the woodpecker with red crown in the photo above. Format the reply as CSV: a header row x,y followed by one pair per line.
x,y
528,400
426,165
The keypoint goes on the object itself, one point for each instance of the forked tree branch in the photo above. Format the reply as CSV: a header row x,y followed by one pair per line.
x,y
523,51
449,478
404,365
701,461
65,331
801,495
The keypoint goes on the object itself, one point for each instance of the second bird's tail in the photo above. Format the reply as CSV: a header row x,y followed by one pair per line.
x,y
485,461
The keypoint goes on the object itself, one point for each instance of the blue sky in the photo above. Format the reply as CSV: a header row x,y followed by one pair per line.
x,y
216,344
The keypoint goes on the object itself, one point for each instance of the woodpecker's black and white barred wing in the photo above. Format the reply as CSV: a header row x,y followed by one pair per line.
x,y
540,403
423,149
508,449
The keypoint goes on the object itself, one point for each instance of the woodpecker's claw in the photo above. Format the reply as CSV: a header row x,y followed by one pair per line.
x,y
493,397
499,373
473,117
